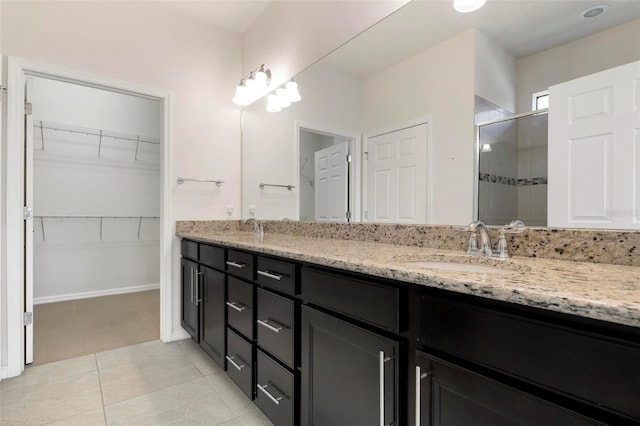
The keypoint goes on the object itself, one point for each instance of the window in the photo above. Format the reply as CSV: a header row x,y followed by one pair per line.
x,y
540,100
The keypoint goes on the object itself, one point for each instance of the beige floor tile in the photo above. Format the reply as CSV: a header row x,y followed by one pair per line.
x,y
192,403
49,372
254,418
50,401
200,358
140,353
130,379
90,418
231,394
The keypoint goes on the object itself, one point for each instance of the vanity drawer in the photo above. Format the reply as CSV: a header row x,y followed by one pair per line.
x,y
275,326
276,274
190,249
240,306
212,256
240,264
275,388
597,368
240,362
367,301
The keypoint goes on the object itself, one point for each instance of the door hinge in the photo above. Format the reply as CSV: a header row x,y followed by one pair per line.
x,y
2,92
366,155
27,213
349,158
28,108
27,318
348,215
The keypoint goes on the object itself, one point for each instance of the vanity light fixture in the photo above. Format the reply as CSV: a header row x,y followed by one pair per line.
x,y
252,86
466,6
283,97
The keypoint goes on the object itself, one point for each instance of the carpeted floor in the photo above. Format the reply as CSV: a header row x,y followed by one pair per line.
x,y
64,330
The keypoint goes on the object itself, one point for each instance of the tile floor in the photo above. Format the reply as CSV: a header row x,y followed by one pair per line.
x,y
147,384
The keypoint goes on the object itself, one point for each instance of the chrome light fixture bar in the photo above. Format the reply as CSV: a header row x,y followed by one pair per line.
x,y
252,86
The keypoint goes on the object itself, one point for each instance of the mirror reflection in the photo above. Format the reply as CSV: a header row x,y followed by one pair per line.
x,y
385,130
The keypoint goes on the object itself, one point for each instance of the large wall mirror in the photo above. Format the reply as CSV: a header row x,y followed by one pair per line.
x,y
386,128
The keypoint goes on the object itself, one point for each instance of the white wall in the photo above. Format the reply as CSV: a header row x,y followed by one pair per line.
x,y
438,82
291,35
598,52
330,100
495,73
141,43
69,178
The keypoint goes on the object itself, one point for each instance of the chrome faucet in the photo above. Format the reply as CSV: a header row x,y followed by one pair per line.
x,y
476,228
258,227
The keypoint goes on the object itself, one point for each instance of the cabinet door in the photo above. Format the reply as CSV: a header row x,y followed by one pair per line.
x,y
190,317
349,374
212,299
451,396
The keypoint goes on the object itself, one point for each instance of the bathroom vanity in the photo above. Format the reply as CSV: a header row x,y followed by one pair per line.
x,y
330,332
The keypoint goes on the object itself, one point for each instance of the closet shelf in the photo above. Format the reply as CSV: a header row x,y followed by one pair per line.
x,y
101,218
100,133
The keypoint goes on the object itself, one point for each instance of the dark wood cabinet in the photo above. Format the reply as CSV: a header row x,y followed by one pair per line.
x,y
212,303
190,313
449,395
350,376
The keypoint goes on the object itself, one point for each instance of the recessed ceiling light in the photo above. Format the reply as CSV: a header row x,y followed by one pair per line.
x,y
594,11
464,6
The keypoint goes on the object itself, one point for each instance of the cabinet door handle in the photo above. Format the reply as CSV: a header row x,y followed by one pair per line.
x,y
275,328
383,359
191,284
197,274
271,275
232,362
419,377
237,306
263,388
236,264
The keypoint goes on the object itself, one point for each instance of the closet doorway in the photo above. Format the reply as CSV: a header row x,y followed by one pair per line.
x,y
95,237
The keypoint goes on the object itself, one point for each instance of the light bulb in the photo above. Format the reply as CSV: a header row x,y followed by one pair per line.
x,y
486,148
240,97
465,6
283,97
261,79
273,105
292,91
250,84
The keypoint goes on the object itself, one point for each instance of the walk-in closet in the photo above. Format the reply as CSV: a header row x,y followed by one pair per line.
x,y
95,189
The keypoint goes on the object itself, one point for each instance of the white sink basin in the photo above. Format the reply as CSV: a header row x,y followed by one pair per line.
x,y
460,267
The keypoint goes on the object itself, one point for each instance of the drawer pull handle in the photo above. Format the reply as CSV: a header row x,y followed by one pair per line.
x,y
263,388
232,362
237,306
276,329
236,264
271,275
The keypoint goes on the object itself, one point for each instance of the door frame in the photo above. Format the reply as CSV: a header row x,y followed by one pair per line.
x,y
17,71
355,177
428,120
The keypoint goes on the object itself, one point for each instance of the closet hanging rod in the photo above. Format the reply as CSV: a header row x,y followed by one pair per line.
x,y
289,187
182,180
94,132
95,217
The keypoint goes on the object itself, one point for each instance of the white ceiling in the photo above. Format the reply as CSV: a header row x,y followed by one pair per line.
x,y
235,16
522,27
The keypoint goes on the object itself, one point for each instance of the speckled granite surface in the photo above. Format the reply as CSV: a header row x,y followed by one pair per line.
x,y
598,246
599,291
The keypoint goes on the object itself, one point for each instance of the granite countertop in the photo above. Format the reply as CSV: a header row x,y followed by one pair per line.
x,y
599,291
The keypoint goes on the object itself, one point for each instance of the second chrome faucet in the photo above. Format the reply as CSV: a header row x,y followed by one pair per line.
x,y
480,241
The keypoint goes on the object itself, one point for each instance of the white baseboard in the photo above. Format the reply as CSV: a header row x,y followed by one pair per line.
x,y
88,294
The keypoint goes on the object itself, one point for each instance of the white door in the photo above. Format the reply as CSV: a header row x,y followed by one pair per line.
x,y
594,150
28,223
396,176
331,183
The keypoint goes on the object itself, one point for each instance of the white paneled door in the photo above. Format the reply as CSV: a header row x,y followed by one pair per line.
x,y
331,183
28,223
594,150
396,179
